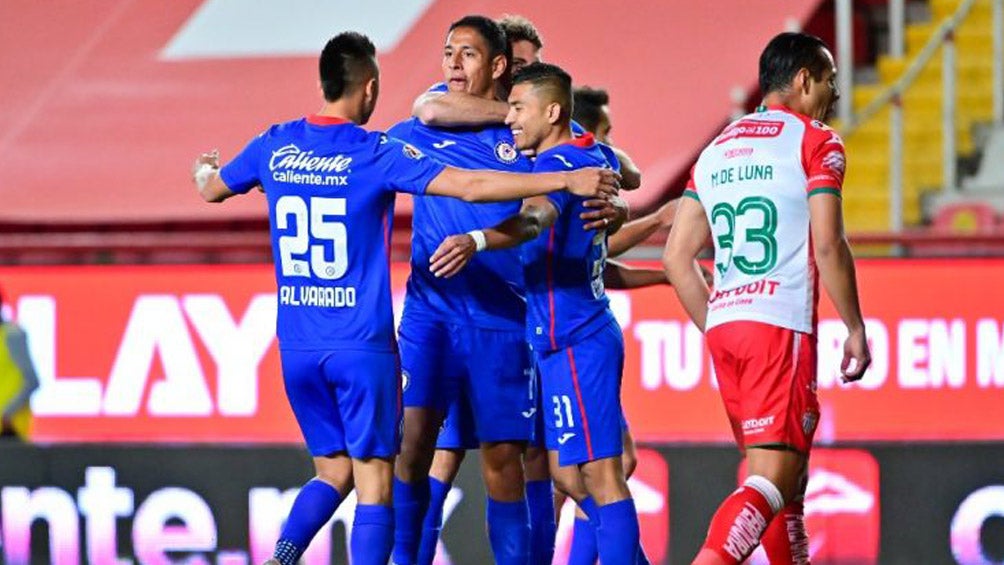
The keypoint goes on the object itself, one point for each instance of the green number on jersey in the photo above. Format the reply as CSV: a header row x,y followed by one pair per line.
x,y
763,234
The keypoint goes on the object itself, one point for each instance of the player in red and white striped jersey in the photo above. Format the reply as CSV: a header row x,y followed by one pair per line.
x,y
767,191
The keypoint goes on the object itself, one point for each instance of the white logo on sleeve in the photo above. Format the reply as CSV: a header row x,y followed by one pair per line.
x,y
564,161
565,437
444,144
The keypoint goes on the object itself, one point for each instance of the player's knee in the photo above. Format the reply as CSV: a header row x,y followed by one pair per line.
x,y
605,481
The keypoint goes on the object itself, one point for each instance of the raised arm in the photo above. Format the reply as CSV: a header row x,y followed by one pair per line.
x,y
618,276
536,215
836,270
206,176
494,186
456,109
689,234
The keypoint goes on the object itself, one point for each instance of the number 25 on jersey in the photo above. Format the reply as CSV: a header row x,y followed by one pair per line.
x,y
315,237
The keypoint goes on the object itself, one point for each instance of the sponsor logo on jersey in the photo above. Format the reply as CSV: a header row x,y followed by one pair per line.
x,y
529,413
444,144
412,152
405,380
751,128
292,158
738,152
835,161
506,152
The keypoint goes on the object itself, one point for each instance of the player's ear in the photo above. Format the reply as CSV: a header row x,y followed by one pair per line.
x,y
372,89
802,79
499,65
553,113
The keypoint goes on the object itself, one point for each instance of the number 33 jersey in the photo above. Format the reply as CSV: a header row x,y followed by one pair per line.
x,y
330,187
754,182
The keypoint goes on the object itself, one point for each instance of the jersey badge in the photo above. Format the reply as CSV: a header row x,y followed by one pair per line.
x,y
506,153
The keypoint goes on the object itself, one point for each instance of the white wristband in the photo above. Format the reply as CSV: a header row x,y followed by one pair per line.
x,y
480,241
203,173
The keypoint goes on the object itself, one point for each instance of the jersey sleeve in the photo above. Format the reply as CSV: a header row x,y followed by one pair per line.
x,y
824,160
241,174
691,190
552,163
405,167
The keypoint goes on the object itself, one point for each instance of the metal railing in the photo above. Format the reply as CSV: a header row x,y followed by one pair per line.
x,y
944,38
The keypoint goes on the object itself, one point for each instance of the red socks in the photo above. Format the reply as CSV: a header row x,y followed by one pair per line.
x,y
739,523
785,540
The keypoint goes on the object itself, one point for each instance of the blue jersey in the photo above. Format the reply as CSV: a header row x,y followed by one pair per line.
x,y
330,187
564,264
488,293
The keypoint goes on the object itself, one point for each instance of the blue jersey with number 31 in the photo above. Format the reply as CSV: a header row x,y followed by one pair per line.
x,y
566,300
330,186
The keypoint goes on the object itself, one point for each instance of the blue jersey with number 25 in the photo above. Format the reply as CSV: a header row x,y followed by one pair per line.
x,y
330,186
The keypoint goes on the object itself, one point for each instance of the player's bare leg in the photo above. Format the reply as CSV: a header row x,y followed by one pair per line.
x,y
502,470
314,505
445,466
373,528
774,478
411,479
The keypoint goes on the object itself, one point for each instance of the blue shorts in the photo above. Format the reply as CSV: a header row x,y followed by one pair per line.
x,y
581,397
345,401
458,431
490,368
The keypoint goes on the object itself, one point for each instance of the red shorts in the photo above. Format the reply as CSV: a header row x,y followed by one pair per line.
x,y
767,377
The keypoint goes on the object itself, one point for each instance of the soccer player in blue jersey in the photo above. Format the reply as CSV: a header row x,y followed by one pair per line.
x,y
466,333
330,188
576,341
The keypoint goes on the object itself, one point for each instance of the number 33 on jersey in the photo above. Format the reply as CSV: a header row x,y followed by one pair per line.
x,y
761,169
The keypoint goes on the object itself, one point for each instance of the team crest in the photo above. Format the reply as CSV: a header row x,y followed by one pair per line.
x,y
505,152
412,152
809,421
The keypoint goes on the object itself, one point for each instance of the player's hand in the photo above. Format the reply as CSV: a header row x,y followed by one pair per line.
x,y
452,255
593,182
199,174
606,214
857,357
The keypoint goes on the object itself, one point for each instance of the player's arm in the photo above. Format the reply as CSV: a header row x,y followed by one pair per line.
x,y
206,176
630,173
639,230
495,186
536,215
618,276
686,240
456,109
836,269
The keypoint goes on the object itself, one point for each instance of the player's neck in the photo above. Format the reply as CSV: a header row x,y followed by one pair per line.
x,y
344,109
558,135
781,100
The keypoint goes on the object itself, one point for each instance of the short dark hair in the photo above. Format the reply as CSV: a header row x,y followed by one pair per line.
x,y
586,104
785,55
348,59
518,28
551,78
492,33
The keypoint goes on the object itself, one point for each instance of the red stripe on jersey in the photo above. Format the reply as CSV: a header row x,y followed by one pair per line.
x,y
584,141
550,284
582,406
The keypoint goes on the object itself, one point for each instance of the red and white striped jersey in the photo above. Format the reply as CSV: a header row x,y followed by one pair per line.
x,y
754,181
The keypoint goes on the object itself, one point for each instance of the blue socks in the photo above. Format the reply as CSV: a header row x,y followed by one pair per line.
x,y
617,535
543,529
372,534
433,524
313,507
509,531
583,550
410,503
